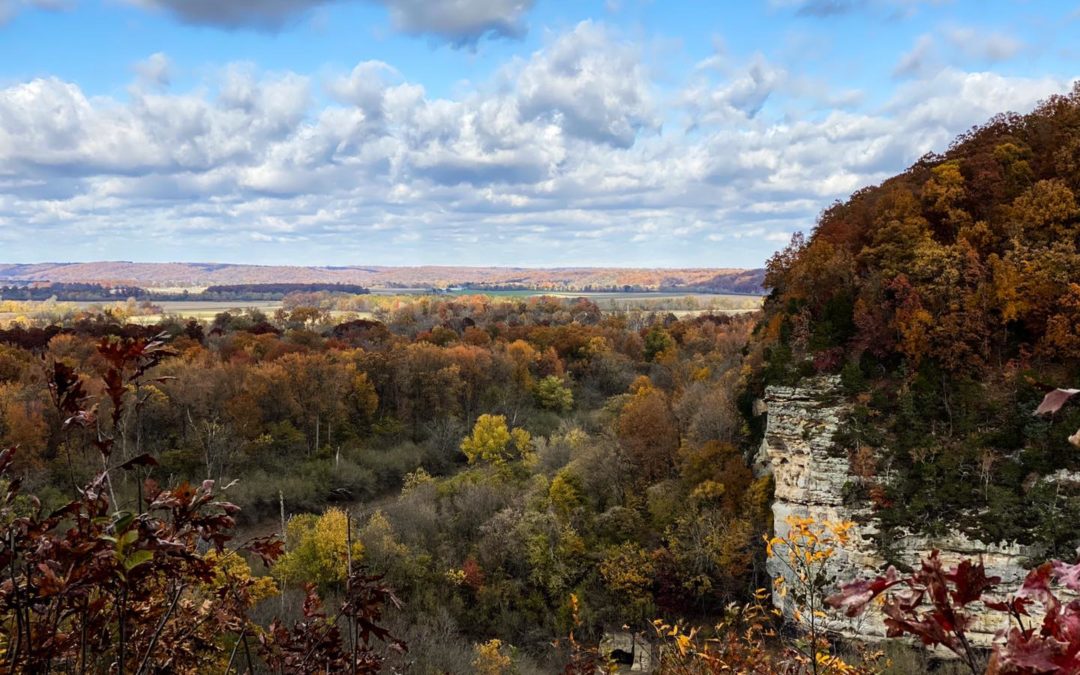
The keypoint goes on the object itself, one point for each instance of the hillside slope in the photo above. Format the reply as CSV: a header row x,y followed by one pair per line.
x,y
948,299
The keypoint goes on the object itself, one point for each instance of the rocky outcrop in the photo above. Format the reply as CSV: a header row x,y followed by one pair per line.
x,y
810,474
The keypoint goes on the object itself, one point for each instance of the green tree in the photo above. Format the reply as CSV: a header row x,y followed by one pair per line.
x,y
551,394
657,341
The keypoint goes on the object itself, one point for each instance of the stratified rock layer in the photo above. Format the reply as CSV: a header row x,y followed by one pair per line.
x,y
810,474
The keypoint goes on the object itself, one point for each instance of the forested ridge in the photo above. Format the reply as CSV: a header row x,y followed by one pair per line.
x,y
948,300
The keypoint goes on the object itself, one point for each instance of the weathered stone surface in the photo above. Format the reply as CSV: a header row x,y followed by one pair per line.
x,y
810,476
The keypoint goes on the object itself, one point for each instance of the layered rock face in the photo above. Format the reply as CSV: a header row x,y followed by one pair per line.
x,y
810,474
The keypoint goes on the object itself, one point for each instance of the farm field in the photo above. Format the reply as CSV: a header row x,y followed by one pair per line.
x,y
679,304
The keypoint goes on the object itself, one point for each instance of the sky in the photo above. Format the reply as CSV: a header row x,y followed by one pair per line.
x,y
535,133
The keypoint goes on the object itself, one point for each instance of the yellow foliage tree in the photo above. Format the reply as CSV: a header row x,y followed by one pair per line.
x,y
804,553
492,441
565,493
628,571
230,567
317,549
945,194
362,395
490,659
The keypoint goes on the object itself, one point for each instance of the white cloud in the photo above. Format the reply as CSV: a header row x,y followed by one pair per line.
x,y
365,87
741,94
961,45
594,86
561,150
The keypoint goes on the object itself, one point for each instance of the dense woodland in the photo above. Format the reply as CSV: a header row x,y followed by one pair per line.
x,y
501,458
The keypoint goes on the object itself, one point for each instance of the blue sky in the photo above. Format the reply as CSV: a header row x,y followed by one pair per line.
x,y
485,132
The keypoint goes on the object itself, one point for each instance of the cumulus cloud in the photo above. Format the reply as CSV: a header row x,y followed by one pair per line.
x,y
749,93
595,87
258,14
557,160
460,21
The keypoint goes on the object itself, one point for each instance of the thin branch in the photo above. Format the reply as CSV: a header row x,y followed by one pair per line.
x,y
157,633
232,654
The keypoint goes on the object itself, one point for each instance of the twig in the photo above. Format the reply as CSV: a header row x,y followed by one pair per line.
x,y
232,654
157,633
18,604
348,584
122,627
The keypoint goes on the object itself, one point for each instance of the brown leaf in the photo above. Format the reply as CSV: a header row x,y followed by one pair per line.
x,y
1054,400
142,460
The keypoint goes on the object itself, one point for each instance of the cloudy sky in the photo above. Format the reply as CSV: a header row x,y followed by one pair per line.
x,y
485,132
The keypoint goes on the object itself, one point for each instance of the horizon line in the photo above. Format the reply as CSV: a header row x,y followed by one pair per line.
x,y
375,265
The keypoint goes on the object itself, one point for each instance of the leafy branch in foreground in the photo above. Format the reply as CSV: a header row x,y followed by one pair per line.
x,y
937,606
87,588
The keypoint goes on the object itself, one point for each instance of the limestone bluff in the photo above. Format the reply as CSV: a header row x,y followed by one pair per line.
x,y
810,474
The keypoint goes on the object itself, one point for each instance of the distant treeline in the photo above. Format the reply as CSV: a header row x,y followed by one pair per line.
x,y
73,292
738,289
558,287
93,292
273,291
76,292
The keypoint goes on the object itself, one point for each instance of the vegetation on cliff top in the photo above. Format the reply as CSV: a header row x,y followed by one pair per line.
x,y
948,299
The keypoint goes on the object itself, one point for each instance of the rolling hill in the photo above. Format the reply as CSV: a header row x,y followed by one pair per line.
x,y
163,275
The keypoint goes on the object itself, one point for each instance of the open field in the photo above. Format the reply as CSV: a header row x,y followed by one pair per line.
x,y
207,310
680,304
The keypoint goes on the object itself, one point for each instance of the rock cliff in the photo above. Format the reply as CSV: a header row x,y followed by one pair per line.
x,y
810,475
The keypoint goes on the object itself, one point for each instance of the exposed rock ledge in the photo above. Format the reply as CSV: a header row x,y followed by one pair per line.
x,y
810,482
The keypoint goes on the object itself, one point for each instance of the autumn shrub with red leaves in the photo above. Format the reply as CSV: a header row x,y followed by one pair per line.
x,y
316,643
91,588
937,606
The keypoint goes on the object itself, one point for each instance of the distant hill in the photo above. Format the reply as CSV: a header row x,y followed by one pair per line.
x,y
166,275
